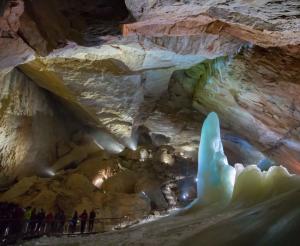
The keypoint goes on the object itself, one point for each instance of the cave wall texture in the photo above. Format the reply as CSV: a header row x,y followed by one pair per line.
x,y
174,62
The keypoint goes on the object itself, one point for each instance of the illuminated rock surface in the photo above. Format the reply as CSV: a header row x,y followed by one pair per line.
x,y
112,121
274,221
125,83
27,117
263,210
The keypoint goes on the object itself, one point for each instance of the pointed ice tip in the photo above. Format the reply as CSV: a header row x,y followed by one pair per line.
x,y
213,115
213,120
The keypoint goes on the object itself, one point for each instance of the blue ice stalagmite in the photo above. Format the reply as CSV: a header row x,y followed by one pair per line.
x,y
215,178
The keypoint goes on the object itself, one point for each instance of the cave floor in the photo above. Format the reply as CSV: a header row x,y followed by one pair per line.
x,y
273,222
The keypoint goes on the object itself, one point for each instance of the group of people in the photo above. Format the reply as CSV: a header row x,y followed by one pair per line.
x,y
84,218
31,221
11,219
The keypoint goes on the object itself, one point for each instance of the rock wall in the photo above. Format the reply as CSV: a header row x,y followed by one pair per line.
x,y
178,61
254,92
258,86
30,127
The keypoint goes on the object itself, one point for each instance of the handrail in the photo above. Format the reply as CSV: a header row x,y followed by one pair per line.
x,y
16,229
59,220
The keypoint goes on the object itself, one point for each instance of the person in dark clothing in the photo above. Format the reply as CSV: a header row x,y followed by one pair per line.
x,y
40,221
73,222
56,222
20,220
83,219
27,217
33,221
92,220
4,216
11,220
62,221
49,223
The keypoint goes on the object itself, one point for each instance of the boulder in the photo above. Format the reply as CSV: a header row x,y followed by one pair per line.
x,y
151,188
122,182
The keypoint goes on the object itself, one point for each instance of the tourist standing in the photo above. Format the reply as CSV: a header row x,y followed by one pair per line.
x,y
56,222
92,220
83,219
32,223
40,221
27,217
73,222
62,221
49,223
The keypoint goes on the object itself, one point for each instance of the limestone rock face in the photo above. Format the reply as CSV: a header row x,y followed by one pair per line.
x,y
263,23
9,20
150,187
133,206
263,114
74,192
29,128
107,85
257,97
13,49
123,182
177,62
44,30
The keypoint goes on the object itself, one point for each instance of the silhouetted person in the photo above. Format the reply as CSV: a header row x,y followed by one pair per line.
x,y
19,220
11,221
27,217
40,221
61,222
56,222
73,222
49,223
83,219
11,216
92,220
33,220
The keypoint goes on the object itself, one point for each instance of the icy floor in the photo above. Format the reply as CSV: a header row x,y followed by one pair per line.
x,y
274,222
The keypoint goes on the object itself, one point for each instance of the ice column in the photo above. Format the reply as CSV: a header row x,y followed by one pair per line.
x,y
215,178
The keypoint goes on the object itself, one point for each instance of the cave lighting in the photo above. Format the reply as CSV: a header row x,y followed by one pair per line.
x,y
105,141
188,152
132,145
143,155
167,158
188,148
99,179
98,182
131,142
50,172
185,195
145,195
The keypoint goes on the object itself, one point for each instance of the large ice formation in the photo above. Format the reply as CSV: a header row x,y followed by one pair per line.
x,y
215,177
219,182
254,186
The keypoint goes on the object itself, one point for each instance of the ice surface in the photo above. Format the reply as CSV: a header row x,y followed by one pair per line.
x,y
258,221
220,182
215,177
253,186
